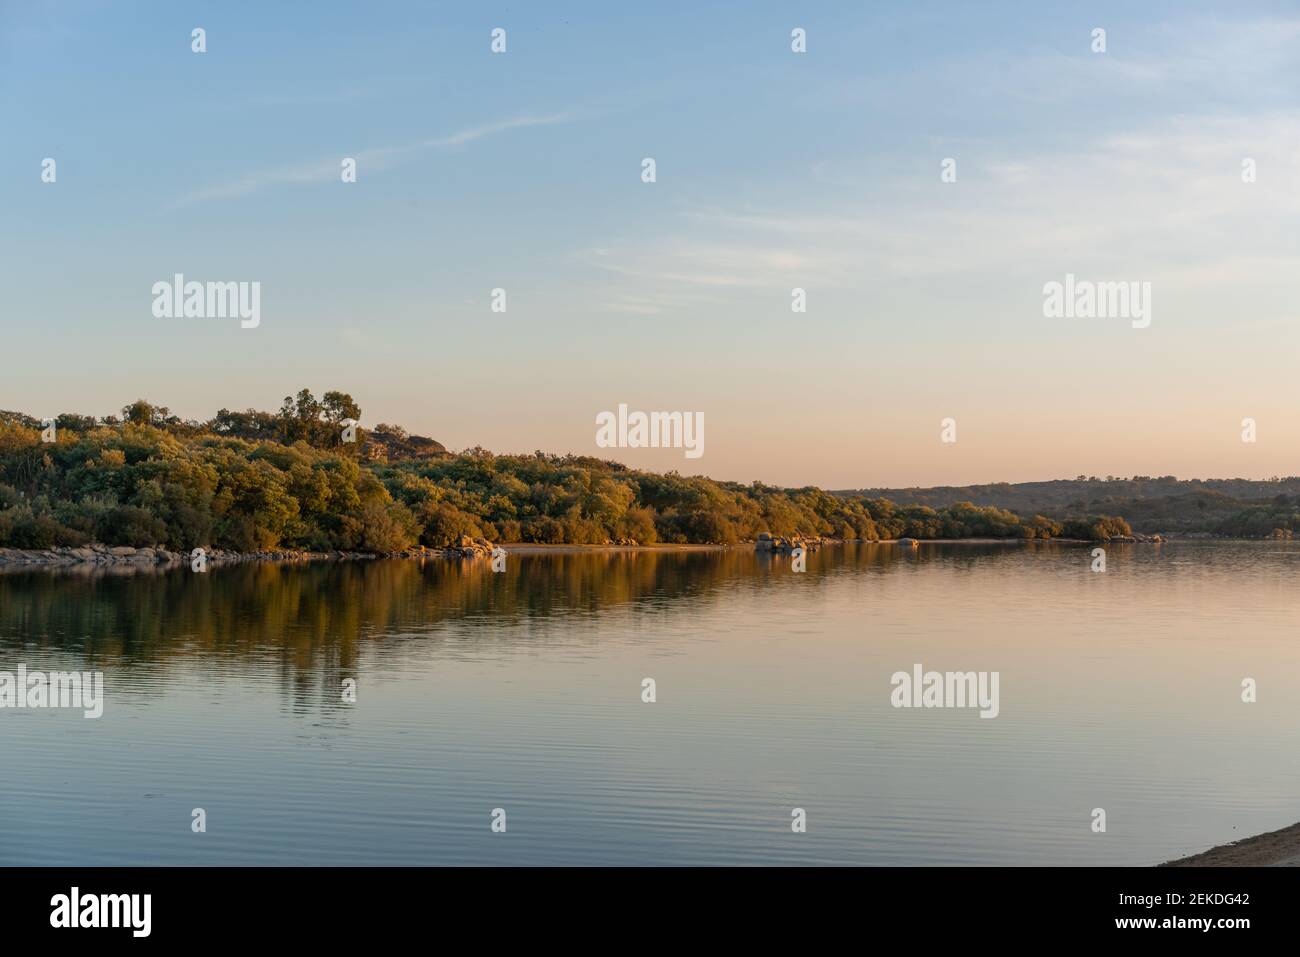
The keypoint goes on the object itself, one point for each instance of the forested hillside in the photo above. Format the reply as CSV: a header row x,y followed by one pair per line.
x,y
291,479
1229,507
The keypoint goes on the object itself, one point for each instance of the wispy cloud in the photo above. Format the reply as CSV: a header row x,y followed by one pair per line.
x,y
478,132
370,160
1165,200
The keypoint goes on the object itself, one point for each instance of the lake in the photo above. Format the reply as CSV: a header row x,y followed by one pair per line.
x,y
522,691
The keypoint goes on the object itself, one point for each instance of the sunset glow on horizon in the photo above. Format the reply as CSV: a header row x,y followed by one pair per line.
x,y
821,172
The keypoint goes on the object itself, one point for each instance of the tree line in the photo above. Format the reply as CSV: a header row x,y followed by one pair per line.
x,y
288,480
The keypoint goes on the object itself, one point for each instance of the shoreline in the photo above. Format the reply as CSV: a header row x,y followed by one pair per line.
x,y
104,556
1279,848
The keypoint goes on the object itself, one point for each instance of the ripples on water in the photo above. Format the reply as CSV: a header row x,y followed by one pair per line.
x,y
522,690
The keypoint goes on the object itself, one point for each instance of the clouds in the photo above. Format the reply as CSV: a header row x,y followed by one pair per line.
x,y
370,160
1160,199
1128,162
776,171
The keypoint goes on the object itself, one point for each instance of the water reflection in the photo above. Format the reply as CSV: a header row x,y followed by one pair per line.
x,y
320,612
522,688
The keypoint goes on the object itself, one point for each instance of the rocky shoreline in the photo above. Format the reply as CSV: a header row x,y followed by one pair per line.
x,y
105,556
767,542
126,557
781,544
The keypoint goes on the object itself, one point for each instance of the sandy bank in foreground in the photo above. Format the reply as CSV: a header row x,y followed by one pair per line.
x,y
1274,849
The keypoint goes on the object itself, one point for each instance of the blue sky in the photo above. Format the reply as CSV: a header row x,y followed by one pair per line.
x,y
775,170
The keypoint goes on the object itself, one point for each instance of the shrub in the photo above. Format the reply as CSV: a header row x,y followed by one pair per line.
x,y
130,526
445,524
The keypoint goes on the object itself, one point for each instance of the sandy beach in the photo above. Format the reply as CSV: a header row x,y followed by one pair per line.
x,y
1274,849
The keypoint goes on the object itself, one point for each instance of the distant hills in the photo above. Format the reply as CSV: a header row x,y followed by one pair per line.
x,y
1234,507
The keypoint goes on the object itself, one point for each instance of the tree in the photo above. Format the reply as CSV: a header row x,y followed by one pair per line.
x,y
141,412
444,526
338,406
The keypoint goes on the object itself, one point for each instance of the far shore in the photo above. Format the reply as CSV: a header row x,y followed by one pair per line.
x,y
99,556
1274,849
534,548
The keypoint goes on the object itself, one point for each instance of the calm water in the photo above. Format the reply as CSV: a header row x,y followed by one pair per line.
x,y
522,691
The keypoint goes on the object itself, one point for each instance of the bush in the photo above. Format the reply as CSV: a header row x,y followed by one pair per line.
x,y
445,524
544,530
389,528
20,527
1098,528
640,525
710,528
130,526
867,530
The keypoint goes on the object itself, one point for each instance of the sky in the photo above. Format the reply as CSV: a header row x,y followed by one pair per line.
x,y
775,170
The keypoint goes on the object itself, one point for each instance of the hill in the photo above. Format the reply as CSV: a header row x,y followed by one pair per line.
x,y
1230,507
307,477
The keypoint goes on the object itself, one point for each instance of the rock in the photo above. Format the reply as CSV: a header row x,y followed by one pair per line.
x,y
121,551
